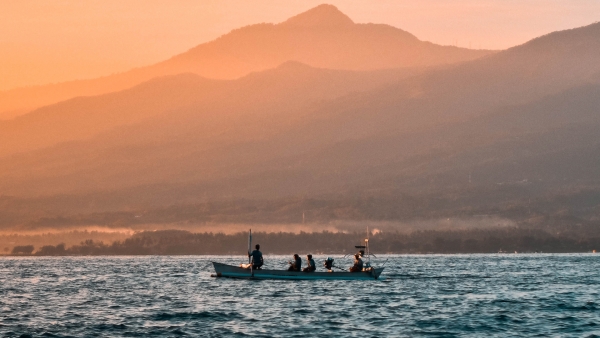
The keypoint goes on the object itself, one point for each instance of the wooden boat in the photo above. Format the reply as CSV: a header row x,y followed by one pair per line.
x,y
242,271
224,270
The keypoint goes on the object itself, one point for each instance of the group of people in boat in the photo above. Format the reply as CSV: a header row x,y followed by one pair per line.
x,y
296,264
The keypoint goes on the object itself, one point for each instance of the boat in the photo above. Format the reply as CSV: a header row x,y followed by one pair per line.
x,y
225,270
243,271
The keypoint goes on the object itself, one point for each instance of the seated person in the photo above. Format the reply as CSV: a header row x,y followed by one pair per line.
x,y
257,258
310,262
296,264
358,264
328,263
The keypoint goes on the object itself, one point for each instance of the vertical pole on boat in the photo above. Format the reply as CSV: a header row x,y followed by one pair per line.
x,y
367,246
249,253
249,246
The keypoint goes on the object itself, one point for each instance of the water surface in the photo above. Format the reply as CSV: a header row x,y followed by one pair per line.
x,y
420,296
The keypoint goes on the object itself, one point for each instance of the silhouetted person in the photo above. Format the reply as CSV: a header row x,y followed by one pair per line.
x,y
328,263
295,265
358,264
257,258
310,262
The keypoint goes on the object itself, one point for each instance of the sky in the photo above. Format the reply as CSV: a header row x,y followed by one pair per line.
x,y
48,41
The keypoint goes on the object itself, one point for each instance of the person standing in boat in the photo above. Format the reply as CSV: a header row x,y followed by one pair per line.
x,y
257,257
310,262
295,265
358,264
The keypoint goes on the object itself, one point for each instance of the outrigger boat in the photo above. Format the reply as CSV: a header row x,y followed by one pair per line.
x,y
246,271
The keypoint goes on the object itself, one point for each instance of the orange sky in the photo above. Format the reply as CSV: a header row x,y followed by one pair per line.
x,y
45,41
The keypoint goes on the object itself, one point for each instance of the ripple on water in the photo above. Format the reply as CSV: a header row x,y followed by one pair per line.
x,y
203,315
435,295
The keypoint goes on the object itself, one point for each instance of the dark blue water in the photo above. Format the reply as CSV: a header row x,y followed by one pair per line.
x,y
428,296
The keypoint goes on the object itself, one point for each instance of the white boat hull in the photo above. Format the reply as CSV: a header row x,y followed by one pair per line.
x,y
224,270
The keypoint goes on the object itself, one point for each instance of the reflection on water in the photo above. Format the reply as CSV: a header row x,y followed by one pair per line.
x,y
429,295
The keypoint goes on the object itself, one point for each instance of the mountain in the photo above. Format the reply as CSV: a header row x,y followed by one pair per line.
x,y
322,37
290,86
321,16
480,136
539,150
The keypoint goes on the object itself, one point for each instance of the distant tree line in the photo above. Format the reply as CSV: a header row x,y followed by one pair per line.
x,y
177,242
22,250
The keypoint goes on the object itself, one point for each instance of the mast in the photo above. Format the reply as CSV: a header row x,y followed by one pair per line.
x,y
367,246
250,258
249,246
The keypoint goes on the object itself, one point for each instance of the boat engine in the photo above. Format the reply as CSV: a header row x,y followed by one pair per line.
x,y
328,263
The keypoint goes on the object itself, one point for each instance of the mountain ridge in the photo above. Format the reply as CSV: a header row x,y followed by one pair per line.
x,y
258,47
87,116
323,16
487,136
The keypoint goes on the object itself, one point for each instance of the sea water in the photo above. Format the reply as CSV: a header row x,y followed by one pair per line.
x,y
419,296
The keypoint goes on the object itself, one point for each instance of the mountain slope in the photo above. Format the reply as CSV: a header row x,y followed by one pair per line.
x,y
546,145
528,113
287,87
322,37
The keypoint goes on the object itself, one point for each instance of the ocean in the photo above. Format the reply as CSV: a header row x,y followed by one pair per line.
x,y
533,295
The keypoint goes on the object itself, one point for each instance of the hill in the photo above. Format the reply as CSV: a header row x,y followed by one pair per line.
x,y
291,86
322,37
481,137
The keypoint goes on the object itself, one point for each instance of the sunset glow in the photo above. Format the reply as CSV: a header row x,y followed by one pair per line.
x,y
384,168
52,41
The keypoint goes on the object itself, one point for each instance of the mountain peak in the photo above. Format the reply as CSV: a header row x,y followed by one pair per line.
x,y
321,16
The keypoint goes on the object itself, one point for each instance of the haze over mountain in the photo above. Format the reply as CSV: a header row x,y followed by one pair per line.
x,y
322,37
289,87
477,137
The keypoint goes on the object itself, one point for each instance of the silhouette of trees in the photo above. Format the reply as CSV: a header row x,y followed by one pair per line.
x,y
22,250
51,250
178,242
